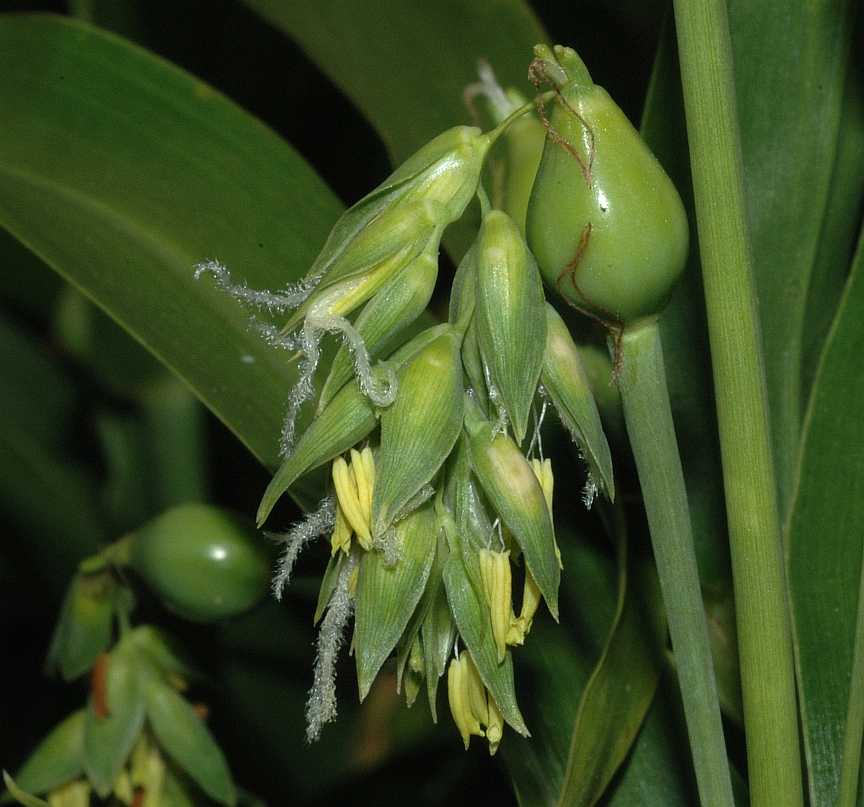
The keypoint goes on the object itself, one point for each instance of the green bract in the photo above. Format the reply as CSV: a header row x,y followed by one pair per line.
x,y
205,564
605,222
511,326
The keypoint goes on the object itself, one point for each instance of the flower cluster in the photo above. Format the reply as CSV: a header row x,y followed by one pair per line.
x,y
441,496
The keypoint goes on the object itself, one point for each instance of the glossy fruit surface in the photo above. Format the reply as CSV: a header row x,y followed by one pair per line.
x,y
605,222
206,564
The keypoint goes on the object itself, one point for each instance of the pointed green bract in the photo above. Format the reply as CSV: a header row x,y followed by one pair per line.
x,y
348,419
511,322
463,288
472,362
20,795
472,619
387,596
108,738
438,632
57,759
513,490
384,317
184,737
84,628
328,585
565,380
419,429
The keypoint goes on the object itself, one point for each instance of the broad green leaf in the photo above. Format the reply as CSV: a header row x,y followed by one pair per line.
x,y
160,172
182,735
57,759
387,595
515,494
511,321
83,629
401,62
418,430
20,795
471,615
567,384
790,126
402,65
824,546
114,717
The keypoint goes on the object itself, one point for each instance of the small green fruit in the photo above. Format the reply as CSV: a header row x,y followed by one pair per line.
x,y
204,563
605,222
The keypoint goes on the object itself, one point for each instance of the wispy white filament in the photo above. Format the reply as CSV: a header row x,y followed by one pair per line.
x,y
321,705
311,526
276,302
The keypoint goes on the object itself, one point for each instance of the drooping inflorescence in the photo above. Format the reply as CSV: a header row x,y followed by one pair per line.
x,y
441,498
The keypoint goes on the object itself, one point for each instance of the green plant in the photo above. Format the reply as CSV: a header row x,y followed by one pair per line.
x,y
123,173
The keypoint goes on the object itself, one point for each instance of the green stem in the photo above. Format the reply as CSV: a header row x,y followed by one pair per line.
x,y
764,633
642,381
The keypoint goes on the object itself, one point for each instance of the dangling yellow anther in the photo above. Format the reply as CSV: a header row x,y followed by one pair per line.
x,y
341,537
476,690
543,472
345,482
531,596
367,469
496,576
459,696
494,726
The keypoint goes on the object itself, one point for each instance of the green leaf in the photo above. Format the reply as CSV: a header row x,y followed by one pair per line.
x,y
472,620
825,556
404,68
387,595
402,65
110,735
181,733
191,177
511,321
515,494
418,431
621,688
20,796
57,759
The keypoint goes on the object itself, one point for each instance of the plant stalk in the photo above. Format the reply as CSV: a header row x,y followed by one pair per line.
x,y
648,414
764,632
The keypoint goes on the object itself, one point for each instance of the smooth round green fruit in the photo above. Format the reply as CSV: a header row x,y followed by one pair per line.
x,y
204,563
605,222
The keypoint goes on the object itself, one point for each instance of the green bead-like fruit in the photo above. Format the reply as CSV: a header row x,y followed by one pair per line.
x,y
204,563
605,222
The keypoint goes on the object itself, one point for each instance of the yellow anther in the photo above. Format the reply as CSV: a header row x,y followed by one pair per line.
x,y
543,472
494,727
72,794
341,537
363,468
476,690
458,694
496,576
347,495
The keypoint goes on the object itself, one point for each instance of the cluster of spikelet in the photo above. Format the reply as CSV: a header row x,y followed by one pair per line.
x,y
440,493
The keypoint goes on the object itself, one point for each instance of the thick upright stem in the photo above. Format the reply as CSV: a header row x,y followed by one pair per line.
x,y
764,633
648,414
